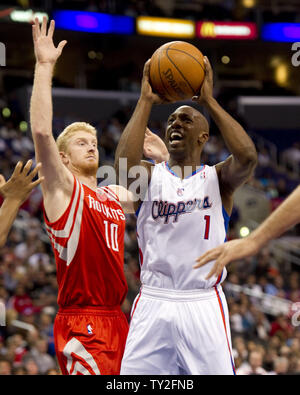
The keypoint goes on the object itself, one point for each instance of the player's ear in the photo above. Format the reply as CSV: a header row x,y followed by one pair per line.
x,y
203,137
64,157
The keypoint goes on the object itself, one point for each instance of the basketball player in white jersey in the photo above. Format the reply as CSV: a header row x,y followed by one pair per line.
x,y
179,320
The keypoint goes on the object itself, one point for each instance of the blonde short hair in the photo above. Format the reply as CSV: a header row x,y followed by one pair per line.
x,y
72,129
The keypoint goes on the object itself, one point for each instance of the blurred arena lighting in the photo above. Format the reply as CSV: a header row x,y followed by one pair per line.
x,y
244,231
281,32
27,15
275,61
93,22
6,112
226,30
225,59
281,74
23,126
92,55
249,3
154,26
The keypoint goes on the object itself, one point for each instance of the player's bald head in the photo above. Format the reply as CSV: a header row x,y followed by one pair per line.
x,y
200,118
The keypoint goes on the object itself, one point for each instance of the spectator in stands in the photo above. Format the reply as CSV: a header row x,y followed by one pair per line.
x,y
253,366
292,156
281,327
40,356
31,367
281,366
5,367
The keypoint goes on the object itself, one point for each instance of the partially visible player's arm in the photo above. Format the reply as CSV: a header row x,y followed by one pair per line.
x,y
58,179
234,171
155,148
15,191
282,219
126,198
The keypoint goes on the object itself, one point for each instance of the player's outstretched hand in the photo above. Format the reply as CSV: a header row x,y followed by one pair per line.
x,y
226,253
146,90
155,148
206,91
20,184
44,48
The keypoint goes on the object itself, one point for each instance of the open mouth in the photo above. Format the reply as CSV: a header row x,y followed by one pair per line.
x,y
175,136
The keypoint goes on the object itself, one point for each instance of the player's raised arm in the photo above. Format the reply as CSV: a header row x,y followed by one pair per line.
x,y
234,171
15,191
282,219
132,139
56,174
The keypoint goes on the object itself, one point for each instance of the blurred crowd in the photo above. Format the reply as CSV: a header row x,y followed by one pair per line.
x,y
263,342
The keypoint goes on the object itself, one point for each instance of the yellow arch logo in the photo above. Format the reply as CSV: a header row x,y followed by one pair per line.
x,y
208,29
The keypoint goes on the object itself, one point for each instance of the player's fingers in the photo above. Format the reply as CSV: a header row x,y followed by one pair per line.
x,y
148,132
34,172
211,273
61,45
37,27
27,167
216,270
37,182
208,68
17,169
2,180
146,70
207,64
51,28
207,257
34,32
44,26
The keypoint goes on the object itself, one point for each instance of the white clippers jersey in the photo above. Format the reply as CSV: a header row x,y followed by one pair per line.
x,y
178,221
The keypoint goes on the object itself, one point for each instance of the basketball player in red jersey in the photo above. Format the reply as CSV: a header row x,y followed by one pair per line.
x,y
86,228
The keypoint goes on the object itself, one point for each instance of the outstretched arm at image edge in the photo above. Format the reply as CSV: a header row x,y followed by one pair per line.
x,y
15,191
283,218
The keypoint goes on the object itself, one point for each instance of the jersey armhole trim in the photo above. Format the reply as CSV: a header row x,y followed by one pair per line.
x,y
226,217
69,205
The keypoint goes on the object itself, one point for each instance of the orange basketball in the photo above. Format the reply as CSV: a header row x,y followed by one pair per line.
x,y
177,71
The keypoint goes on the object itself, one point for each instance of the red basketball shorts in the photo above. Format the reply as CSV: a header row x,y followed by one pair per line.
x,y
90,341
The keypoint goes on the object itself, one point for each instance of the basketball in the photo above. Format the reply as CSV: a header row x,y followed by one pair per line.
x,y
177,71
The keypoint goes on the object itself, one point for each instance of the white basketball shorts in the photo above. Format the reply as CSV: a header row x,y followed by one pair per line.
x,y
179,332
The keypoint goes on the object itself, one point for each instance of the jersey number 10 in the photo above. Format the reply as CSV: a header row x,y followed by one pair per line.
x,y
111,235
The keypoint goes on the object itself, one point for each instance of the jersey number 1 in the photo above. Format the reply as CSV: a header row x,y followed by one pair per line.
x,y
207,226
111,235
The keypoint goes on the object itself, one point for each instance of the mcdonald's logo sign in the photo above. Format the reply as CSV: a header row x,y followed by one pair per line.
x,y
207,29
226,30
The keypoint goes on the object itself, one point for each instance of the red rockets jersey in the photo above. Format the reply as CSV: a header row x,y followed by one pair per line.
x,y
88,244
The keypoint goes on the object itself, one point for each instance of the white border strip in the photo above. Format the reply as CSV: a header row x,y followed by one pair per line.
x,y
269,100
